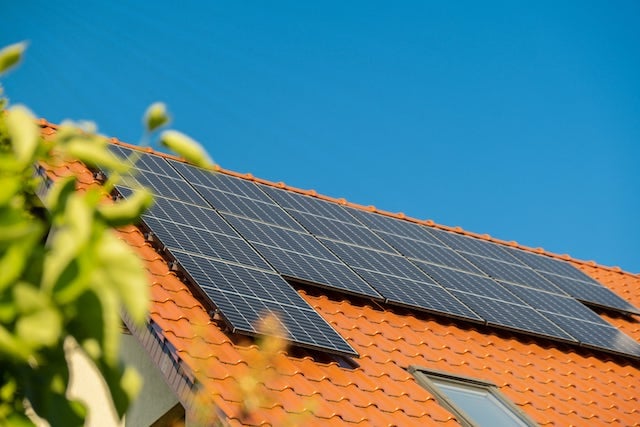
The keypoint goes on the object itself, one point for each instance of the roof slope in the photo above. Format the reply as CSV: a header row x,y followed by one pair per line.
x,y
554,383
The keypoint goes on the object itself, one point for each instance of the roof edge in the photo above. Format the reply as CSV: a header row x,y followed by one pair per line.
x,y
370,208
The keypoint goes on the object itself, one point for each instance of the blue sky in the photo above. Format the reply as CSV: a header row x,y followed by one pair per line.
x,y
520,120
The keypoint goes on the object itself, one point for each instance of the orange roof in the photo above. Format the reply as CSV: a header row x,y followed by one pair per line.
x,y
553,383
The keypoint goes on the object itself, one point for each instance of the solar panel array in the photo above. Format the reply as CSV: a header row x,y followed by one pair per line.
x,y
238,240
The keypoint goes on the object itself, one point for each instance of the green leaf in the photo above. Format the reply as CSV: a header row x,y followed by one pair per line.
x,y
41,328
156,116
10,56
12,347
93,152
24,134
59,193
122,269
186,147
126,211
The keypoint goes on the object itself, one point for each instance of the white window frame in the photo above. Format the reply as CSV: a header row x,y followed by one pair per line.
x,y
424,377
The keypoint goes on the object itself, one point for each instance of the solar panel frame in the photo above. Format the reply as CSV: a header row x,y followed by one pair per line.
x,y
472,245
142,161
164,186
550,265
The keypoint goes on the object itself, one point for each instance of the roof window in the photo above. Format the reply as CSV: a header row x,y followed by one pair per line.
x,y
475,403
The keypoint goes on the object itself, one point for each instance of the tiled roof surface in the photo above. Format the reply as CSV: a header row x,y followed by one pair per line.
x,y
555,384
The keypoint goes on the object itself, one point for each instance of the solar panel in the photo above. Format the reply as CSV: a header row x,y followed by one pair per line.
x,y
249,208
550,265
512,316
307,204
395,226
467,282
424,251
554,303
160,185
220,181
244,296
513,273
144,162
421,295
472,245
301,257
593,294
341,231
373,260
597,335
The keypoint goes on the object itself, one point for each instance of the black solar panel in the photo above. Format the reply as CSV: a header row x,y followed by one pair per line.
x,y
341,231
144,162
220,181
467,282
249,208
554,303
160,185
550,265
512,316
244,295
422,295
597,335
308,204
395,226
370,259
301,257
472,245
423,251
513,273
592,294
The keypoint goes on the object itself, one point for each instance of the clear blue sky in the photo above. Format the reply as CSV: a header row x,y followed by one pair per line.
x,y
521,120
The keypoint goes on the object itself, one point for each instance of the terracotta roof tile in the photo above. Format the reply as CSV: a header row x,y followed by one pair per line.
x,y
554,383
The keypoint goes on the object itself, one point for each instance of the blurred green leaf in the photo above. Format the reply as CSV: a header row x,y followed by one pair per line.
x,y
40,328
186,147
126,211
124,272
156,116
10,56
24,133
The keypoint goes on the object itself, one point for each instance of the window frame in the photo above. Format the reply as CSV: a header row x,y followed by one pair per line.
x,y
424,377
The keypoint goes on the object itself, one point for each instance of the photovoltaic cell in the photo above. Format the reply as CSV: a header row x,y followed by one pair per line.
x,y
372,260
378,222
301,257
220,181
468,282
592,294
472,245
512,316
550,265
554,303
422,295
302,326
597,335
160,185
249,208
423,251
308,204
512,273
244,295
144,162
340,231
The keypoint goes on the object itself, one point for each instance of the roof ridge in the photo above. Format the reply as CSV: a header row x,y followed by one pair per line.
x,y
370,208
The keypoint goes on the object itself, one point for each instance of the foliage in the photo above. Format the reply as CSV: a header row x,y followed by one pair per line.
x,y
64,274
